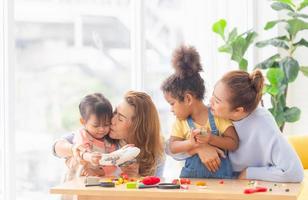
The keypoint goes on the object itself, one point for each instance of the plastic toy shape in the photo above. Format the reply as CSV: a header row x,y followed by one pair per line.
x,y
120,156
254,190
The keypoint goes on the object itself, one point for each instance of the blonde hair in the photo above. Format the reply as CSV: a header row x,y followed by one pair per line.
x,y
145,132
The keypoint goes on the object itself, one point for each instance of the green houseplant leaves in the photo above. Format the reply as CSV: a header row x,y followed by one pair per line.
x,y
235,44
281,68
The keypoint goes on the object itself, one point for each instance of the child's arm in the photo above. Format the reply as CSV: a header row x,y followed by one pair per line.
x,y
179,145
83,149
228,141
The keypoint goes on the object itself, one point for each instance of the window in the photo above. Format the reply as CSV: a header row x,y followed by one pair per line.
x,y
171,23
73,49
66,49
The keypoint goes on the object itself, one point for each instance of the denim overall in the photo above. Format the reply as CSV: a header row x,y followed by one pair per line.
x,y
194,168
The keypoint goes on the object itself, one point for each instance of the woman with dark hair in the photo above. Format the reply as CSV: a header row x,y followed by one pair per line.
x,y
264,153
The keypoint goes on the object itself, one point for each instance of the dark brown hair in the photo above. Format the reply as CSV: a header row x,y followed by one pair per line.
x,y
245,89
98,105
145,132
186,62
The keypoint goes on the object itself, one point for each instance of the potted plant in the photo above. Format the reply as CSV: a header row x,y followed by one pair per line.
x,y
281,68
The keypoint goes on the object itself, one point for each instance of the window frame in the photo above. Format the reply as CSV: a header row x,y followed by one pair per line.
x,y
7,88
7,100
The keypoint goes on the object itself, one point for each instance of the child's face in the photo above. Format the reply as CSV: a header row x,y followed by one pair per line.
x,y
97,128
178,108
220,106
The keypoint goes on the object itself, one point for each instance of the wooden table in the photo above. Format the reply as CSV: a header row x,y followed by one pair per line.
x,y
229,190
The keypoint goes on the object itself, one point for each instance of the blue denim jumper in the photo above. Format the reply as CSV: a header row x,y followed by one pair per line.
x,y
194,168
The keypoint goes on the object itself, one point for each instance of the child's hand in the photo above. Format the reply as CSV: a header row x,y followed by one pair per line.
x,y
131,170
193,141
92,157
92,172
203,137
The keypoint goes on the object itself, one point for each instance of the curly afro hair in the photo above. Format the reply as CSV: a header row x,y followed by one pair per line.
x,y
186,62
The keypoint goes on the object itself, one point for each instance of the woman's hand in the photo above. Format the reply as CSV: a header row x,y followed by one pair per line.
x,y
209,156
131,170
193,151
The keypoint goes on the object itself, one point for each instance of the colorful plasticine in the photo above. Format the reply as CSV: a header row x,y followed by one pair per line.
x,y
254,190
150,180
200,183
131,185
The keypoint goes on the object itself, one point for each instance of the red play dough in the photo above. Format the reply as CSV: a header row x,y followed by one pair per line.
x,y
253,190
150,180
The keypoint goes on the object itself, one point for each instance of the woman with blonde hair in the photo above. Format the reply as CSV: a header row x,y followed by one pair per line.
x,y
135,121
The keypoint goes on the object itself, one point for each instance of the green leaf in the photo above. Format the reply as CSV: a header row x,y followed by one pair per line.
x,y
290,67
219,27
271,89
292,114
279,118
269,62
271,24
243,64
225,48
251,35
304,70
275,76
283,37
292,14
296,25
303,5
238,49
281,6
302,42
232,35
282,99
274,42
287,2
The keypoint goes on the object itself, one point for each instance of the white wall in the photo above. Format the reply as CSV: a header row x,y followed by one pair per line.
x,y
298,93
298,96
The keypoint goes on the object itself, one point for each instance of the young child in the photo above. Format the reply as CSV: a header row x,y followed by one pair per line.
x,y
184,91
264,153
92,139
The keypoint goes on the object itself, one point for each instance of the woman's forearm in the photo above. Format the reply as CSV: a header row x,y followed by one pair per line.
x,y
63,148
180,146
